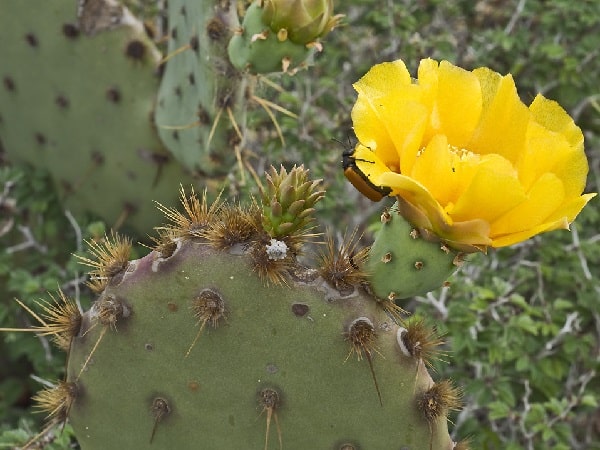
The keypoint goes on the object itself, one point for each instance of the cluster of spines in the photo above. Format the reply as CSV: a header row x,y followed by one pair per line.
x,y
342,266
60,319
109,258
274,231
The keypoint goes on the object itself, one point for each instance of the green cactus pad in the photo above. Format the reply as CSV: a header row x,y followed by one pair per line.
x,y
402,263
279,351
264,54
200,91
80,106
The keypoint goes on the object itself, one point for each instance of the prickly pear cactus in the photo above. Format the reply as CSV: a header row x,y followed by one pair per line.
x,y
112,132
201,106
221,339
76,98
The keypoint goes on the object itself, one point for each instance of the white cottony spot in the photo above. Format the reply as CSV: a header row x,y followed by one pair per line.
x,y
277,250
401,344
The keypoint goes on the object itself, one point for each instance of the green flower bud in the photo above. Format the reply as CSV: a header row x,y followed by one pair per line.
x,y
288,201
300,21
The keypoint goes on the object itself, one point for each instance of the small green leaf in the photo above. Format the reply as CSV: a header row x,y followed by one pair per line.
x,y
498,410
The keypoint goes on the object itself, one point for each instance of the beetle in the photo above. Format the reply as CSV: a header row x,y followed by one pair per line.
x,y
358,178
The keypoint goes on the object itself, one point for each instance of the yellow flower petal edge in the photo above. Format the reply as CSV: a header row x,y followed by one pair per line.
x,y
469,162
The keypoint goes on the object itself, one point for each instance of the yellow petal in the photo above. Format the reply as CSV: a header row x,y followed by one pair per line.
x,y
408,136
492,192
515,238
428,82
382,95
382,78
371,131
543,199
548,151
435,169
552,116
561,219
489,81
457,103
402,120
560,149
572,169
504,119
571,208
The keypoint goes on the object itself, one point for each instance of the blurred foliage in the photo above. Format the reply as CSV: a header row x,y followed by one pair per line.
x,y
59,439
522,327
34,259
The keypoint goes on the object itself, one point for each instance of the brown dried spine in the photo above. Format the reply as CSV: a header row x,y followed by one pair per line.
x,y
60,318
341,266
419,341
110,257
236,225
198,215
159,409
208,307
436,401
270,400
362,336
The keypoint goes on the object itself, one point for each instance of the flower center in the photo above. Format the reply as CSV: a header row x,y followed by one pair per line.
x,y
462,153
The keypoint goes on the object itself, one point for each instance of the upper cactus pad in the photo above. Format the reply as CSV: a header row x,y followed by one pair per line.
x,y
81,106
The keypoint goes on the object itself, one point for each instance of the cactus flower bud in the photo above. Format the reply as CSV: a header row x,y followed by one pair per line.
x,y
300,21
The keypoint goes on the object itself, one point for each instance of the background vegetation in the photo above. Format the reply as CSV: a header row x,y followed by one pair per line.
x,y
522,324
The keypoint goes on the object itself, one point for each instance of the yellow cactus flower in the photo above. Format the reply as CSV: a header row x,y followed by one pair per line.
x,y
300,21
468,161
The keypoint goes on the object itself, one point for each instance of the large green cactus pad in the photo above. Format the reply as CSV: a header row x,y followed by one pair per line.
x,y
81,106
287,338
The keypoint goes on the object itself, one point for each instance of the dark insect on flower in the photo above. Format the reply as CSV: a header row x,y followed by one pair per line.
x,y
358,178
